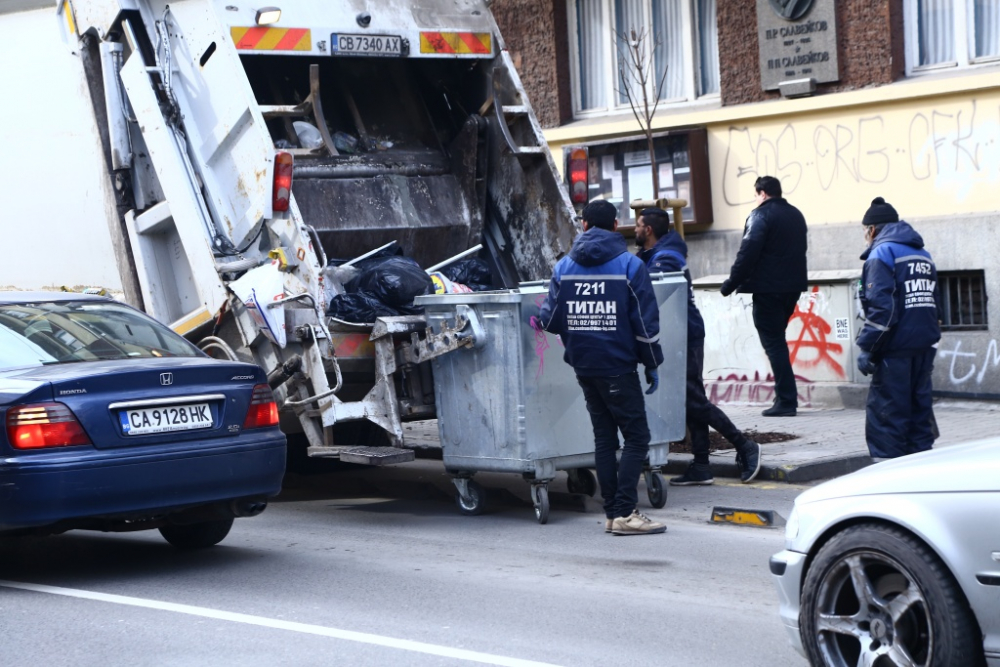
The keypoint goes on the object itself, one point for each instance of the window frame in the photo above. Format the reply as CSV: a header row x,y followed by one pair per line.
x,y
964,38
692,62
978,312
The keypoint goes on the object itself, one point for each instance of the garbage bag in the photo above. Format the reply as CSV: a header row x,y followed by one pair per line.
x,y
358,307
444,286
351,275
473,272
345,143
395,281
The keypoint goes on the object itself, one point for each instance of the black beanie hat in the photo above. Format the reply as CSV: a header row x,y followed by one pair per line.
x,y
879,213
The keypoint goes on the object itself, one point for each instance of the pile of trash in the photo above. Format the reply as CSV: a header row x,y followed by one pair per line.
x,y
309,136
385,282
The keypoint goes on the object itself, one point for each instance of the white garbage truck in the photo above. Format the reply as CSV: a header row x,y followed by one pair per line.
x,y
249,148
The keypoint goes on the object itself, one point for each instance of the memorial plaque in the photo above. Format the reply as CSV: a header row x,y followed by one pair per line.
x,y
798,40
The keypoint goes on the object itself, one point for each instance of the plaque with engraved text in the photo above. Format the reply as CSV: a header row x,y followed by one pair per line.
x,y
798,40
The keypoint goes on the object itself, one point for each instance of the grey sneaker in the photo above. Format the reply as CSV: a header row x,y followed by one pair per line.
x,y
748,460
695,475
636,524
608,525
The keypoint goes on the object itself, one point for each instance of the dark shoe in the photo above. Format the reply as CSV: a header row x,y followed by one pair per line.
x,y
695,475
779,411
748,460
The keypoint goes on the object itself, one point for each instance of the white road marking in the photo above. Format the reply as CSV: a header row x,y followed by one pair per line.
x,y
348,635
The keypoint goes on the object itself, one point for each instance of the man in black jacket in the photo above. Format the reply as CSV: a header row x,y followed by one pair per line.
x,y
771,265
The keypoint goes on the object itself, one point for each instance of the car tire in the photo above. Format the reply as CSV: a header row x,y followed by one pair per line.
x,y
196,535
913,613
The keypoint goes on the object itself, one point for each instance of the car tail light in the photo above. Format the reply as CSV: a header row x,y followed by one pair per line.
x,y
579,184
44,425
263,410
283,162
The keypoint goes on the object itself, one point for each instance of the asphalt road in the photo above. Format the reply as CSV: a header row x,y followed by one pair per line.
x,y
376,567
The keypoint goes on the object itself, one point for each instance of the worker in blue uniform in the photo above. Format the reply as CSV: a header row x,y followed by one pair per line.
x,y
601,304
900,298
664,251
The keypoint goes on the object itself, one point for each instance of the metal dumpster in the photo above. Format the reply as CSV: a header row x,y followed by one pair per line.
x,y
511,404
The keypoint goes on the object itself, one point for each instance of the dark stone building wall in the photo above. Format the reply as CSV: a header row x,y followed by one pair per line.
x,y
536,35
869,48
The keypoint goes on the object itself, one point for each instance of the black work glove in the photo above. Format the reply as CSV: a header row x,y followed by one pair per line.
x,y
652,379
865,363
727,288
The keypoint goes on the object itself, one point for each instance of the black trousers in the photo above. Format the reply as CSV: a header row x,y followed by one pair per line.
x,y
616,403
701,412
771,312
899,417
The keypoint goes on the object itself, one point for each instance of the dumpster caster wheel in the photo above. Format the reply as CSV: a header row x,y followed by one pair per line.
x,y
473,502
540,498
582,480
656,489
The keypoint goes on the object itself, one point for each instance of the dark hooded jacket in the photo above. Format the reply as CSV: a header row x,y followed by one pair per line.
x,y
899,294
601,304
772,255
669,255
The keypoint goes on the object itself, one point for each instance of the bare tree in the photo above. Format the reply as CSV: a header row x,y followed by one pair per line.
x,y
636,70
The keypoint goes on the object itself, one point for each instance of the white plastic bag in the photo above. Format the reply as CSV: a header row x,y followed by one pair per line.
x,y
258,288
308,134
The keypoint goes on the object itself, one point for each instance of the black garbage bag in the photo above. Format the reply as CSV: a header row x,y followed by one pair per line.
x,y
474,273
395,281
369,263
358,307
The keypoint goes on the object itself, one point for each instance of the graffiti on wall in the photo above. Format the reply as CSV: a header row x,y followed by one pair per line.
x,y
811,348
737,370
969,368
735,388
954,147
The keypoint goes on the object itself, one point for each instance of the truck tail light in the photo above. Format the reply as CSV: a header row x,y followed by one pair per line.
x,y
283,162
263,410
44,425
578,180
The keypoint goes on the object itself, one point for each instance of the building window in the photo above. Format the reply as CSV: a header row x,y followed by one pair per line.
x,y
963,301
951,33
681,36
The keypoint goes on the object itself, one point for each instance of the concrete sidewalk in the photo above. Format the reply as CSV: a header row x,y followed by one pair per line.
x,y
831,441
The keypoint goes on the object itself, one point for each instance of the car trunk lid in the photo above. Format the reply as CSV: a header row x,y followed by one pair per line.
x,y
153,401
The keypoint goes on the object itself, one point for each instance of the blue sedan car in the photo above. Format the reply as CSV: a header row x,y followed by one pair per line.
x,y
113,422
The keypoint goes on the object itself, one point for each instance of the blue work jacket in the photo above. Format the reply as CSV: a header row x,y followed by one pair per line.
x,y
899,294
669,255
601,304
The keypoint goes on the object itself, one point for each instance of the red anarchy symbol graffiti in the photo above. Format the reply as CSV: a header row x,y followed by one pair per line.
x,y
813,335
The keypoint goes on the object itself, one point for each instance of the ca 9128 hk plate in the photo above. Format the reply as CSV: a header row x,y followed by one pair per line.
x,y
180,413
142,421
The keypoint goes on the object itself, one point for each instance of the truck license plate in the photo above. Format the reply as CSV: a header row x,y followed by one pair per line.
x,y
142,421
366,45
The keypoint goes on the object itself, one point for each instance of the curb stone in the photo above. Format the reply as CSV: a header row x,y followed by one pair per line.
x,y
792,473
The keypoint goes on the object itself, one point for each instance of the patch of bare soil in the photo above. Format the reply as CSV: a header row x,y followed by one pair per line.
x,y
716,442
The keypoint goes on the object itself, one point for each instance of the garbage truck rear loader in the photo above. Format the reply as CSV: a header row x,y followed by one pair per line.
x,y
251,147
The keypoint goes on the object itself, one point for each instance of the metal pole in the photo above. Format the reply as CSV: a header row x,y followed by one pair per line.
x,y
457,257
368,254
